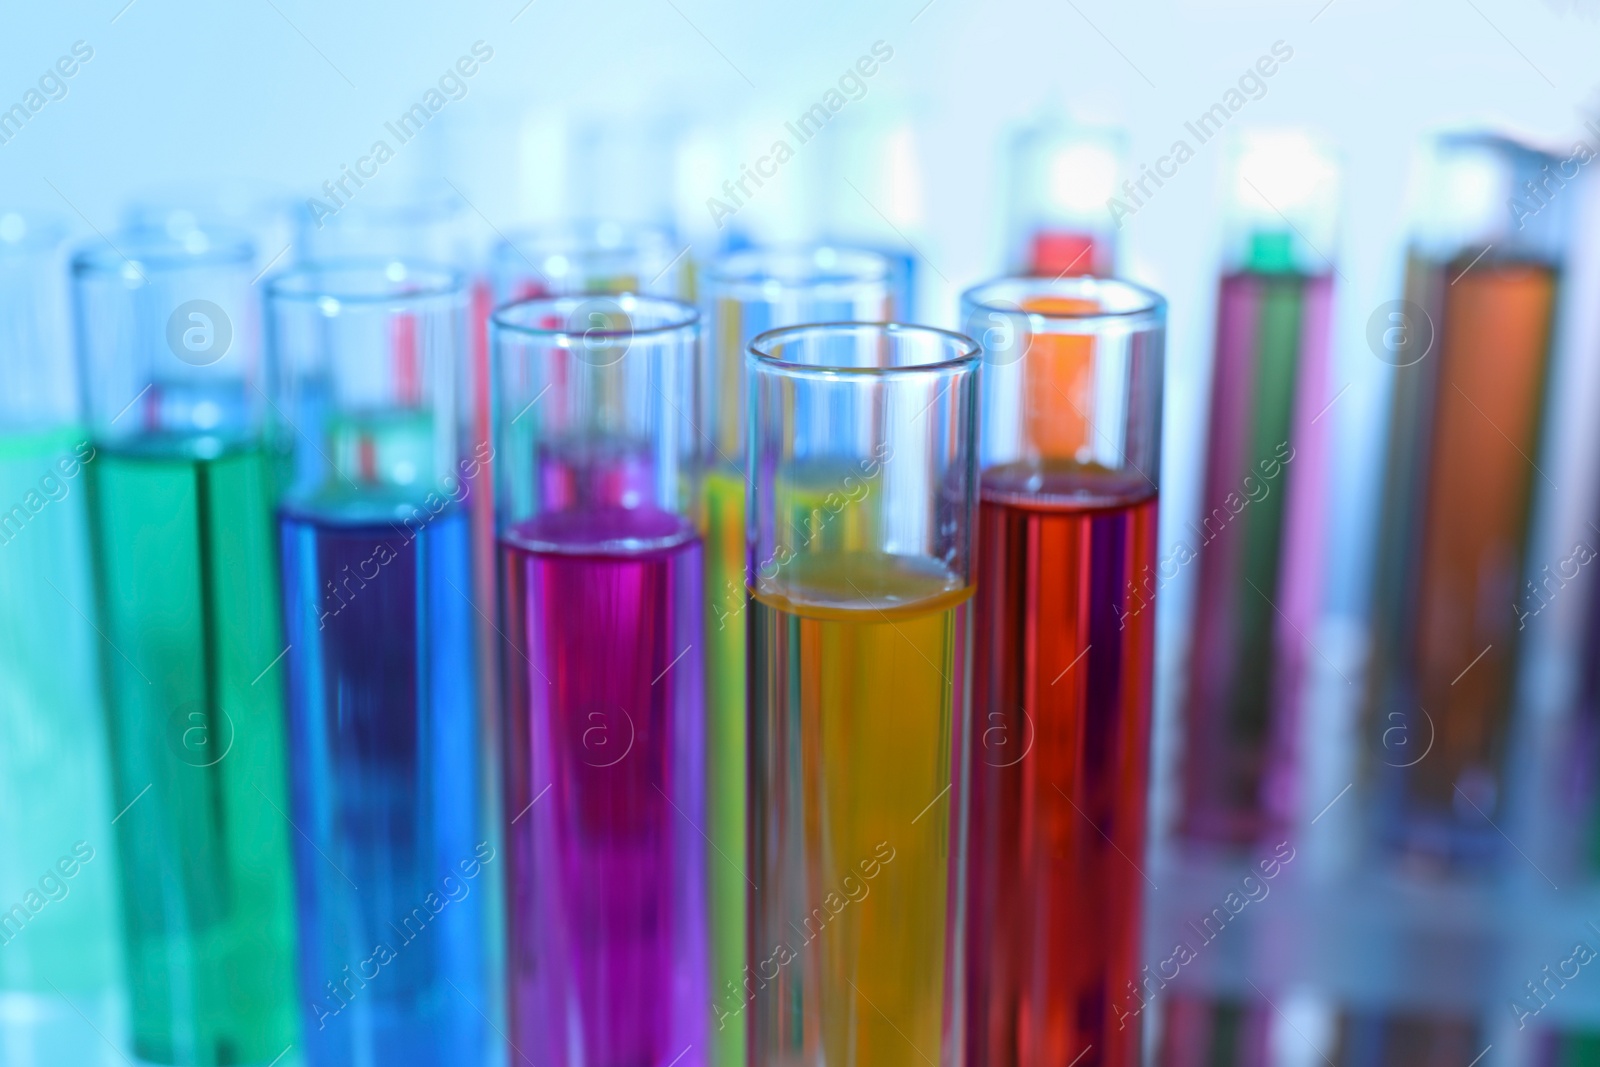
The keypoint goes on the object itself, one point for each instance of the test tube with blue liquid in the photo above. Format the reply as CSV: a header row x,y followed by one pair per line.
x,y
391,869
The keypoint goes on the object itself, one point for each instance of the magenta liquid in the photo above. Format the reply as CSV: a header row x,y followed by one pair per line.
x,y
605,788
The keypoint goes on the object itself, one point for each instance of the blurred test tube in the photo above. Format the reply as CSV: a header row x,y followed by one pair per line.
x,y
1060,177
1259,540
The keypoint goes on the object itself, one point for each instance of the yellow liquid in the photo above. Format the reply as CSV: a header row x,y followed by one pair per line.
x,y
859,672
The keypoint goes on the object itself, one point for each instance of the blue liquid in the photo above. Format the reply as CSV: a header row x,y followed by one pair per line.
x,y
392,871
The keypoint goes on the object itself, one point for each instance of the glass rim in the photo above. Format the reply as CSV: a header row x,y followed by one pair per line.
x,y
430,204
1142,304
683,317
41,232
203,246
969,353
583,237
757,269
312,282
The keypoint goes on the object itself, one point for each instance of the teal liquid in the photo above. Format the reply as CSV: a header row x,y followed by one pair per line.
x,y
183,540
53,805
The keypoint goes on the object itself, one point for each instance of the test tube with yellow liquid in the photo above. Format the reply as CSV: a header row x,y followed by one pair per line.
x,y
862,489
745,293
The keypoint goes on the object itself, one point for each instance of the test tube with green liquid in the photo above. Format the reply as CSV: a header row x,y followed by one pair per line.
x,y
746,293
57,902
181,494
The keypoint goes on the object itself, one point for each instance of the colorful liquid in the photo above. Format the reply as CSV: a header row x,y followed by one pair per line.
x,y
53,774
1378,1039
391,868
1464,436
725,737
1259,543
1066,253
822,513
857,728
1201,1031
1061,704
187,578
605,778
1571,1048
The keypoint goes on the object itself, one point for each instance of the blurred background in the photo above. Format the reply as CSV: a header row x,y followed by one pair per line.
x,y
1365,947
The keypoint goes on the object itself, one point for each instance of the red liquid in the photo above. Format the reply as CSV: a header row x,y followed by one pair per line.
x,y
1060,253
1064,649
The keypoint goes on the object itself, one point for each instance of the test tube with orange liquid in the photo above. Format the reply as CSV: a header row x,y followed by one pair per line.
x,y
1471,347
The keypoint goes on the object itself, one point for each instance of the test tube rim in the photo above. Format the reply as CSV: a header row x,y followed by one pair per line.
x,y
687,321
873,268
969,356
42,232
578,237
1148,307
224,246
446,281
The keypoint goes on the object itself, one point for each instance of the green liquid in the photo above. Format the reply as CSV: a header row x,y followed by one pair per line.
x,y
188,598
52,738
725,732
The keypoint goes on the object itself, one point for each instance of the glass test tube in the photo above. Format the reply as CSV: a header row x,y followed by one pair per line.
x,y
1062,177
604,697
880,157
54,811
588,257
429,223
1470,344
1201,1029
181,492
264,210
382,706
1062,675
862,486
1260,538
746,293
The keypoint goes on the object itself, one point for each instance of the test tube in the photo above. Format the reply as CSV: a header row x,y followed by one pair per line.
x,y
588,257
746,293
1470,344
862,484
382,706
261,209
604,699
1260,538
428,223
1062,179
54,810
1198,1029
875,197
181,492
1062,679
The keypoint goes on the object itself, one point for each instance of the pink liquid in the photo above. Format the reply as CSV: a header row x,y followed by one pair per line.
x,y
605,788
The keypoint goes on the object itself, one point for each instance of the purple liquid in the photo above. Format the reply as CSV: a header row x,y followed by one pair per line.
x,y
605,790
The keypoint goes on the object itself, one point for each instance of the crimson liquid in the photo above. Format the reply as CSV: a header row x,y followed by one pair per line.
x,y
1064,639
